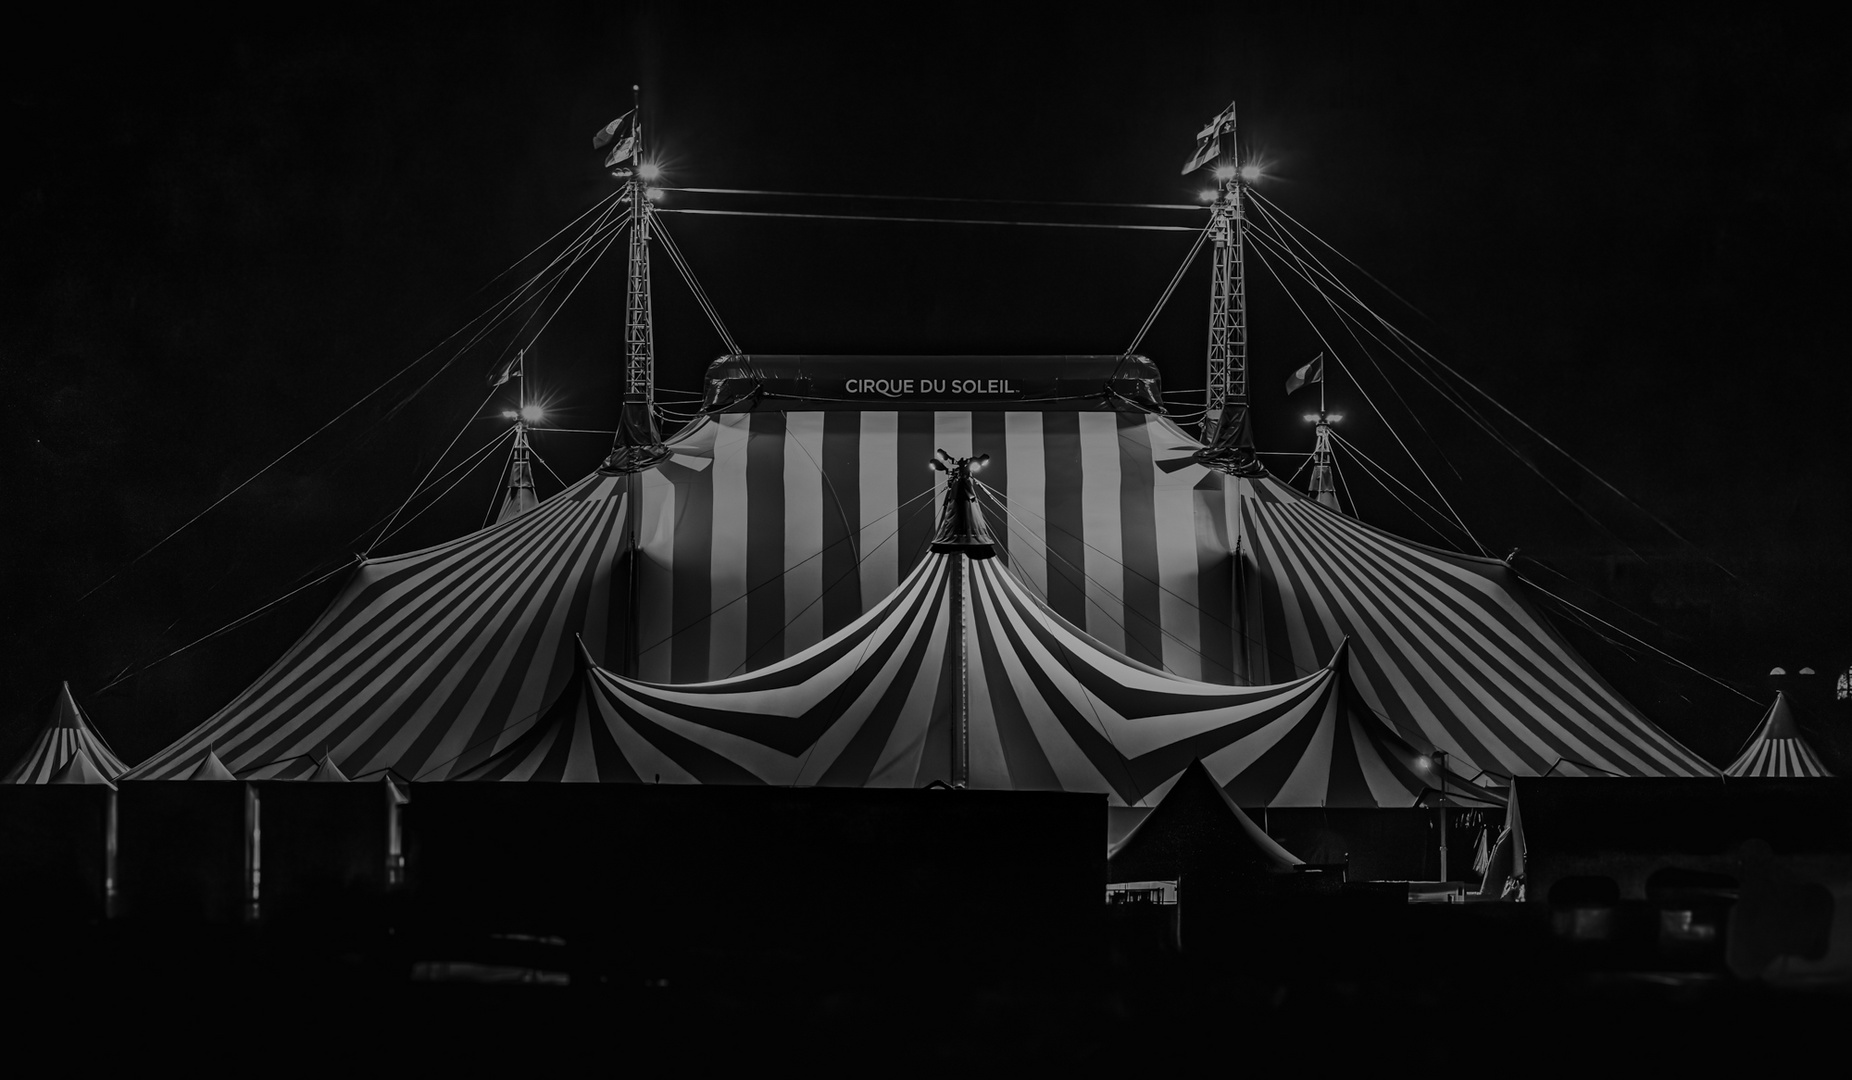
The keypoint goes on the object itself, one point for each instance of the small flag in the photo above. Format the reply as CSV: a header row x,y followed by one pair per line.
x,y
506,368
1209,139
623,146
609,131
1310,373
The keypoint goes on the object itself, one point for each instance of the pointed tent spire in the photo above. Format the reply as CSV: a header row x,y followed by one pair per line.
x,y
326,771
209,768
67,731
1777,748
961,524
1196,828
79,770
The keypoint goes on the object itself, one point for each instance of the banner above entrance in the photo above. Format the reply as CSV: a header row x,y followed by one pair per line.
x,y
745,382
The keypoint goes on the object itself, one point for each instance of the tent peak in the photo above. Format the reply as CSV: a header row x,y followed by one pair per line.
x,y
961,528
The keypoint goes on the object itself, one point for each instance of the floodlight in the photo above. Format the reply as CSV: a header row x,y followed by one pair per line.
x,y
1206,194
1224,172
510,414
1250,173
1310,417
1334,417
1422,762
654,193
533,414
649,170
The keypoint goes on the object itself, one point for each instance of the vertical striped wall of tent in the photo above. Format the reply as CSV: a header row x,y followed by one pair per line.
x,y
769,530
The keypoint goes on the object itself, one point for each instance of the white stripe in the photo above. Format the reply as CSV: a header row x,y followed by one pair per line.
x,y
879,545
1026,499
806,505
727,564
1100,526
1174,505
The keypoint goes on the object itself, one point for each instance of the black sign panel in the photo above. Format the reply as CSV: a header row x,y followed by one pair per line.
x,y
746,382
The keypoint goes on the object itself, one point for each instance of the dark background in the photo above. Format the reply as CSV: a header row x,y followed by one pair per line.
x,y
1630,227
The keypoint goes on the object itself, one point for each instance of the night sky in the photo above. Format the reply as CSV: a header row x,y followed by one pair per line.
x,y
1631,230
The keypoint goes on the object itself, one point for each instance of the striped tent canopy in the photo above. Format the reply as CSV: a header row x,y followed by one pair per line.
x,y
1777,747
1332,750
64,735
1447,647
1048,708
764,529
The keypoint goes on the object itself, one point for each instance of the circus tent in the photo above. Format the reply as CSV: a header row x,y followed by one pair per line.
x,y
1777,748
1044,707
795,506
67,733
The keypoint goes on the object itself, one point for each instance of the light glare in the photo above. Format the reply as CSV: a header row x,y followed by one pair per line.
x,y
1250,173
533,414
649,171
1206,195
1224,172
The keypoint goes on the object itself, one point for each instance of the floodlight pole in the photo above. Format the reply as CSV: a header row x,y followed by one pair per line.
x,y
1226,418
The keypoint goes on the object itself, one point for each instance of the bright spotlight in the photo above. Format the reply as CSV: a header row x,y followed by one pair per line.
x,y
1206,194
1250,173
510,414
533,414
649,171
654,194
1224,172
1422,762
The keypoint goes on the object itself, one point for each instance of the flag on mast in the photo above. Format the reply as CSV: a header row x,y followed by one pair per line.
x,y
1209,139
501,372
1310,373
622,146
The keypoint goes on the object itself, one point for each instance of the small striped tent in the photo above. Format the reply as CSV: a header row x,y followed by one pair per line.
x,y
1777,747
64,735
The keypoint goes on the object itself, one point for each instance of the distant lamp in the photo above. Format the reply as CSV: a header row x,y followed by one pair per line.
x,y
1422,762
649,171
533,414
654,194
1206,195
1225,172
1250,173
510,414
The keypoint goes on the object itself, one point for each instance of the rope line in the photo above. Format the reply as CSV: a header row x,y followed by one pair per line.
x,y
926,220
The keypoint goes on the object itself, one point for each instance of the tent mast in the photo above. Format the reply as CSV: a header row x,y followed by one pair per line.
x,y
638,444
1226,420
961,534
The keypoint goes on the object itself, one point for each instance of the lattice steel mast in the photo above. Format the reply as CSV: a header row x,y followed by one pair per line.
x,y
1226,420
638,443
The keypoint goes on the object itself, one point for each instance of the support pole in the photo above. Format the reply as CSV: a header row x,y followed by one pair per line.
x,y
961,702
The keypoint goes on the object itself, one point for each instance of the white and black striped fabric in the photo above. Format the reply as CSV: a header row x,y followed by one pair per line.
x,y
1778,748
763,532
67,732
1048,708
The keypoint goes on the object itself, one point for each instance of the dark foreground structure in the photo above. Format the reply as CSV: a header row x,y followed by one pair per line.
x,y
591,924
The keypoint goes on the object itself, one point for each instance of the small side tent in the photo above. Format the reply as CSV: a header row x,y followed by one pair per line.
x,y
1777,748
1195,830
67,732
209,768
78,769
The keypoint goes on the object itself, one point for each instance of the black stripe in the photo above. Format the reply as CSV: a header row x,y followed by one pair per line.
x,y
1144,636
842,509
765,540
1065,529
